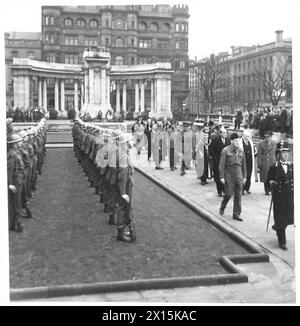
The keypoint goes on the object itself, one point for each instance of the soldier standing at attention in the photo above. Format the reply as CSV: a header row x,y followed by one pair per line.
x,y
13,161
233,173
281,178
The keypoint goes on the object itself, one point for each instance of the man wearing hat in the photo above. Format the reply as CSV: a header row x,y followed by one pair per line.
x,y
215,148
15,175
233,173
265,158
281,178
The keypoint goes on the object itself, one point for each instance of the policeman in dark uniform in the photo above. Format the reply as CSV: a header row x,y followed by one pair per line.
x,y
281,178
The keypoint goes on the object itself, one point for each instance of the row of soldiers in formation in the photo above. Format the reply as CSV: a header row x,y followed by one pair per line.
x,y
104,157
25,157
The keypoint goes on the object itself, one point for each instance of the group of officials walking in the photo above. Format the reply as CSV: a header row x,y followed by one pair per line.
x,y
104,157
25,157
233,161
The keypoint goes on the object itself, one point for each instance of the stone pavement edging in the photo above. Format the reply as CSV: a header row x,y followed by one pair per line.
x,y
249,245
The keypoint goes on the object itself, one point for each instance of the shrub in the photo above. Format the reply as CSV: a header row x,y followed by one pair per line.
x,y
53,114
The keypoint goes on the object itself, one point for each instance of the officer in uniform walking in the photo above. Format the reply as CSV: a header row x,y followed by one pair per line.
x,y
233,173
281,178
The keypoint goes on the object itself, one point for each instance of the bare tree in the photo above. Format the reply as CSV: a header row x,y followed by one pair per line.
x,y
210,80
273,78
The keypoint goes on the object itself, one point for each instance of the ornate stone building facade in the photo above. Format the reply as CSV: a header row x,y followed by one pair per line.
x,y
132,34
243,79
20,45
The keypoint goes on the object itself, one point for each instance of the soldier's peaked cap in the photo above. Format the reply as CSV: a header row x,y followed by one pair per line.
x,y
282,146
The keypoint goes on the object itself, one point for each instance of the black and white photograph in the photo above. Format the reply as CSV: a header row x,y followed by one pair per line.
x,y
149,154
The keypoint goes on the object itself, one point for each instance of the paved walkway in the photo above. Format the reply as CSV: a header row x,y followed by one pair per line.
x,y
272,282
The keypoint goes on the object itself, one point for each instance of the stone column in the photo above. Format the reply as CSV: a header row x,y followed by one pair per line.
x,y
137,98
107,90
26,92
82,93
76,96
152,95
155,94
124,97
40,92
86,87
16,91
169,91
158,94
118,96
62,95
102,87
56,95
142,96
91,84
45,94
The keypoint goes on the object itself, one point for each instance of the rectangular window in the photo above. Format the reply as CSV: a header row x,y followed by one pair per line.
x,y
71,58
71,40
91,41
51,57
145,43
164,45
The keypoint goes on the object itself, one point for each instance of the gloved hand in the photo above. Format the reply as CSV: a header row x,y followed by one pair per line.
x,y
12,188
273,185
126,197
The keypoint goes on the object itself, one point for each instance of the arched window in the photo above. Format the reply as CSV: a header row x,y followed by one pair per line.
x,y
68,22
154,27
80,22
119,23
142,26
166,27
93,23
119,42
119,60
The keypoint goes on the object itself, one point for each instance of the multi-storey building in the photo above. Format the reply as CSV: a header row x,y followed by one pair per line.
x,y
244,77
20,45
133,34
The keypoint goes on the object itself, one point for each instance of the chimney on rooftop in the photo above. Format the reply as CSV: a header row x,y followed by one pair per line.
x,y
278,37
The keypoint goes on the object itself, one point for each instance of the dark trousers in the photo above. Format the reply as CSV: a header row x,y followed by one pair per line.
x,y
281,236
149,144
220,186
267,187
171,157
247,184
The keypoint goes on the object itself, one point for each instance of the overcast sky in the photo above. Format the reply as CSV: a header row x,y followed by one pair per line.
x,y
215,25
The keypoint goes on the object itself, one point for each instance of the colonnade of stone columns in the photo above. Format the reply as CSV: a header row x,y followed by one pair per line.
x,y
160,95
23,92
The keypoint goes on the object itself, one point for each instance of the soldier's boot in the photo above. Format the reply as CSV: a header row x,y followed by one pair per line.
x,y
132,231
122,236
29,214
101,200
112,219
16,225
106,208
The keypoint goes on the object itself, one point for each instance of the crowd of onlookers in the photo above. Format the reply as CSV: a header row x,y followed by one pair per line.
x,y
276,120
32,114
